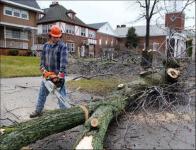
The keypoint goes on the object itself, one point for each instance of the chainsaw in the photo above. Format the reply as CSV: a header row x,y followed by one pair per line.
x,y
52,88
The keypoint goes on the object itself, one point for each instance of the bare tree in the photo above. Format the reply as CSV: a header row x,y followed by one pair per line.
x,y
148,7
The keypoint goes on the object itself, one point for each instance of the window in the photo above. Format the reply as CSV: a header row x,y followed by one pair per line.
x,y
70,29
106,42
45,28
70,47
40,16
24,14
10,11
70,15
24,35
99,41
16,34
16,12
112,43
83,33
91,34
155,46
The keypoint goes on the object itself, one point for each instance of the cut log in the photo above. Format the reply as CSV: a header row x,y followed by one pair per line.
x,y
172,74
96,126
17,136
95,122
22,134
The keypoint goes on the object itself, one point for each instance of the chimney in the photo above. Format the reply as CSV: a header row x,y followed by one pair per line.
x,y
54,2
123,26
175,21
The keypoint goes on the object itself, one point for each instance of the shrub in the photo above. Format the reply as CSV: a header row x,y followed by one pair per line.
x,y
29,53
189,47
13,52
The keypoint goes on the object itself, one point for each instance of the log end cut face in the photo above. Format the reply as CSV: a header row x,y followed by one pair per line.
x,y
85,143
173,73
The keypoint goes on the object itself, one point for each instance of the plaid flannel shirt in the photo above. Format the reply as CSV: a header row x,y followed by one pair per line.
x,y
54,57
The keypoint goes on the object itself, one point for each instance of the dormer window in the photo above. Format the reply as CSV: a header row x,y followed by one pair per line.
x,y
71,14
40,16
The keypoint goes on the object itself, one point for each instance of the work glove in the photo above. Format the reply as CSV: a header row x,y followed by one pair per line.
x,y
60,80
49,75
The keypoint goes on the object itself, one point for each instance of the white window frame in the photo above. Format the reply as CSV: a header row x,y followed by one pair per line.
x,y
112,43
22,35
46,28
83,31
9,9
70,29
17,11
26,13
155,45
70,47
20,11
15,34
91,34
40,16
71,15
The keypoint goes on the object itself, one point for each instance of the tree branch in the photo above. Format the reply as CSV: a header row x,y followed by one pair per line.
x,y
139,2
153,6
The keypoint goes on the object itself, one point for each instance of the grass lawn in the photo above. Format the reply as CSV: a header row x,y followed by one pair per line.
x,y
96,86
19,66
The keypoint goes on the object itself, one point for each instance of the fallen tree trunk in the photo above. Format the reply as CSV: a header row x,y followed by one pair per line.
x,y
22,134
96,126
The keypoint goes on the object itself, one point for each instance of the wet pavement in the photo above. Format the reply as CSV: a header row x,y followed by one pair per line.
x,y
19,95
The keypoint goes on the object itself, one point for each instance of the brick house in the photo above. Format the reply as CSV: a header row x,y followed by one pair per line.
x,y
106,38
78,36
159,34
18,24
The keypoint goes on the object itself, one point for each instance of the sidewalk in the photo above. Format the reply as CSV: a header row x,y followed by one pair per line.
x,y
18,98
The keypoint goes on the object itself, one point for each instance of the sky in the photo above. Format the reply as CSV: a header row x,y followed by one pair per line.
x,y
117,12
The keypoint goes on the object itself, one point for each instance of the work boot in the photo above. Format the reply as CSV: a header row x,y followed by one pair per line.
x,y
35,114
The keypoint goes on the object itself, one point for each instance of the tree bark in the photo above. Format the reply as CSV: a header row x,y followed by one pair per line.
x,y
96,126
22,134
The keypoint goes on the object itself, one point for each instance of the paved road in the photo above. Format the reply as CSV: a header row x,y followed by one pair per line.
x,y
19,95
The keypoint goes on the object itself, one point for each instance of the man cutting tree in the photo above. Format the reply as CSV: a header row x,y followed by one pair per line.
x,y
53,68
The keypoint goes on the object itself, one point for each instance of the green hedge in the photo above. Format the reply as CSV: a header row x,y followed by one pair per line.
x,y
13,52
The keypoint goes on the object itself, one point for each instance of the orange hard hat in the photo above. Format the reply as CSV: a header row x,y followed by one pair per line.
x,y
55,31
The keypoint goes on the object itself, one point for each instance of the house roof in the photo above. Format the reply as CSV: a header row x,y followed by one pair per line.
x,y
28,4
97,25
141,31
71,11
57,12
